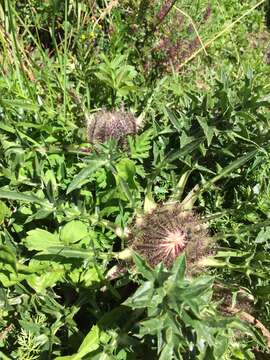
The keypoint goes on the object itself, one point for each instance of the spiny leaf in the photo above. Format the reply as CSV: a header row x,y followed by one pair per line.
x,y
15,195
141,144
85,174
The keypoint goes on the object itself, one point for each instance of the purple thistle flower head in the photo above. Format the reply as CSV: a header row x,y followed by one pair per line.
x,y
168,232
111,124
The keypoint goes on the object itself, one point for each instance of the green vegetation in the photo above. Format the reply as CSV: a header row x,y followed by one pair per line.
x,y
174,96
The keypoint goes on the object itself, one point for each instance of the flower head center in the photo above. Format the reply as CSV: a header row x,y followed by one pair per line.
x,y
174,243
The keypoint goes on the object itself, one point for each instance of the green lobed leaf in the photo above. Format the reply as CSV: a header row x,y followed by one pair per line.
x,y
40,240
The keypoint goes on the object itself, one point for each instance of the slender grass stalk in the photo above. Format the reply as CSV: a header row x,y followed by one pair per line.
x,y
218,35
14,45
65,60
193,25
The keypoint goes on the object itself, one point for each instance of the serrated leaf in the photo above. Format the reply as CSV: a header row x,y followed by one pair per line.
x,y
141,144
234,166
84,174
208,130
15,195
143,268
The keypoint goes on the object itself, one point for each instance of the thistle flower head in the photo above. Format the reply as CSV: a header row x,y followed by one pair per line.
x,y
168,232
111,124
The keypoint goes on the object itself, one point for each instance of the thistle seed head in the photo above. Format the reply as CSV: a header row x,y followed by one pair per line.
x,y
105,125
168,232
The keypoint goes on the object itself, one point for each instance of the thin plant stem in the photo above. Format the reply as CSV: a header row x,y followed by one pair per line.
x,y
194,27
14,45
244,316
65,61
227,28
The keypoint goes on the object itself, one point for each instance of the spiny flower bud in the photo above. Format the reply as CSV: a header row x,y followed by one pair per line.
x,y
166,233
111,124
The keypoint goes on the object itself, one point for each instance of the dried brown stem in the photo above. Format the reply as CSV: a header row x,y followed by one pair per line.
x,y
244,316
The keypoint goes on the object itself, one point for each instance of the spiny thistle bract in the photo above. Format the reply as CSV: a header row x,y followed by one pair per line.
x,y
111,124
167,232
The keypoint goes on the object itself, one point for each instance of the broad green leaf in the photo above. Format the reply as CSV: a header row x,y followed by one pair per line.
x,y
39,240
84,277
126,170
263,236
142,296
126,190
40,214
89,344
124,176
3,356
167,352
11,278
73,231
7,128
41,282
85,174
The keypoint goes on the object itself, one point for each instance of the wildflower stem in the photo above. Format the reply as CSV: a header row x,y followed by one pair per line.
x,y
227,28
194,27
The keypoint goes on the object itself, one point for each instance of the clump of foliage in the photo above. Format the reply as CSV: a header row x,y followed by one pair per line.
x,y
67,215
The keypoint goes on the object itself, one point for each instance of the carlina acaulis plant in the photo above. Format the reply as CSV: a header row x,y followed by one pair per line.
x,y
166,232
104,125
